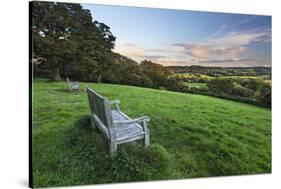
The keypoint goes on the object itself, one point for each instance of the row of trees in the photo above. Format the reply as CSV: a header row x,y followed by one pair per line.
x,y
222,71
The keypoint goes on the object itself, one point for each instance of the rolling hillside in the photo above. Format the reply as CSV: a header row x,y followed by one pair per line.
x,y
191,136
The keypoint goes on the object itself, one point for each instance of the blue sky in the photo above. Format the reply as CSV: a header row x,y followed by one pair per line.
x,y
181,37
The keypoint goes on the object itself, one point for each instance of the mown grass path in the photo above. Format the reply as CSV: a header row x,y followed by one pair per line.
x,y
203,136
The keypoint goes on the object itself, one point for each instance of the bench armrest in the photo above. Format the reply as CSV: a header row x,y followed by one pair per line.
x,y
130,121
115,103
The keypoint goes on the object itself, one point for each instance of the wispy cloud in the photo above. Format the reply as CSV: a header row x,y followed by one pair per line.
x,y
152,57
229,46
130,52
139,53
157,50
202,52
227,28
242,38
130,44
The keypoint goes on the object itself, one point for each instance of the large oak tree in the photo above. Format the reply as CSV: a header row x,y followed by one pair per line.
x,y
65,36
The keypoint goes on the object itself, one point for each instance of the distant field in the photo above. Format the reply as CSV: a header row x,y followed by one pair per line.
x,y
243,77
198,85
200,135
189,75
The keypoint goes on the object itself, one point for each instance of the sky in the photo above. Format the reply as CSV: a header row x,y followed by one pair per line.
x,y
181,37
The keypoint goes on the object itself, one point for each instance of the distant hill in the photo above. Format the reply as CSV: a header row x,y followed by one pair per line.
x,y
221,71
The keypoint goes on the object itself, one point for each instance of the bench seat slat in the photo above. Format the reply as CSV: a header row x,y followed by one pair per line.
x,y
125,131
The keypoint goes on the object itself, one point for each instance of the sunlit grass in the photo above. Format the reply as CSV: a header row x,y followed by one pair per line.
x,y
191,136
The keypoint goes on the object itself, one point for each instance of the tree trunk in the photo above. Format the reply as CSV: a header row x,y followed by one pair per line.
x,y
55,74
99,79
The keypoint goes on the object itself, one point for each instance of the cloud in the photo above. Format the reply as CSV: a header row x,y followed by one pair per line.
x,y
200,51
130,44
241,38
138,53
225,47
130,52
157,50
227,28
152,57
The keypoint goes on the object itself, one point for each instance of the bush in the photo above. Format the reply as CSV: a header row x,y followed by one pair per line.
x,y
219,85
145,81
238,90
264,95
173,85
254,84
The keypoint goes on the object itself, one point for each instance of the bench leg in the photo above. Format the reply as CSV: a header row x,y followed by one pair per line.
x,y
93,124
113,148
146,139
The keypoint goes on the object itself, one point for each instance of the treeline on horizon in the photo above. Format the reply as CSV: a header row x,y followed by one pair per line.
x,y
217,71
66,42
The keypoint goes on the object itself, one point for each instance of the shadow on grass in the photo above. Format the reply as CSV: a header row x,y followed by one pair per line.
x,y
89,152
82,135
66,90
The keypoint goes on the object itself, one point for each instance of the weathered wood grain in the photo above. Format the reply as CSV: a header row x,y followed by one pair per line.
x,y
115,126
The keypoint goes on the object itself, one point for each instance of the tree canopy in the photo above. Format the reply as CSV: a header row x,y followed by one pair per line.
x,y
67,40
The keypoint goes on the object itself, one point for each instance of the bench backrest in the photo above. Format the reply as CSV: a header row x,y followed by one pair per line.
x,y
100,106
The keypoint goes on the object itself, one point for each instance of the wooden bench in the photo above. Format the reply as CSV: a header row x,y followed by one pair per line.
x,y
73,85
116,127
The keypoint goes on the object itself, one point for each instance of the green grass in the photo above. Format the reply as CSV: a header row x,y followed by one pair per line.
x,y
197,85
191,136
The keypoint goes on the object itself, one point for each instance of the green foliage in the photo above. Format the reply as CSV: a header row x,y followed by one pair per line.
x,y
191,136
159,158
241,91
65,36
223,71
264,95
156,72
221,85
253,84
173,85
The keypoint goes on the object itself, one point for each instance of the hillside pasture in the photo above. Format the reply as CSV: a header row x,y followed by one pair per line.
x,y
191,136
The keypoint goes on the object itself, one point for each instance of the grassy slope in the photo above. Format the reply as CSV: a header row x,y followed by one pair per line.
x,y
204,136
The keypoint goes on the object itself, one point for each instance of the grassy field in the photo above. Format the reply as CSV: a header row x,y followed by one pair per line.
x,y
191,136
190,75
197,85
242,77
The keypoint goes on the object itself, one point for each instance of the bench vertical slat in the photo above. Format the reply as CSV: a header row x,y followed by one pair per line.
x,y
100,106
